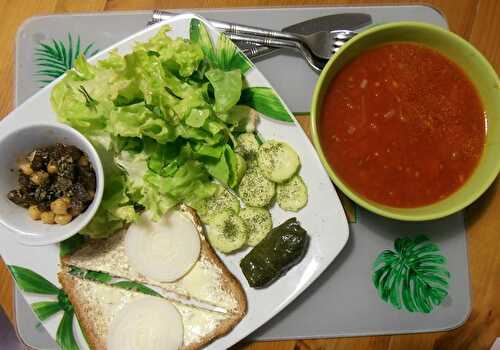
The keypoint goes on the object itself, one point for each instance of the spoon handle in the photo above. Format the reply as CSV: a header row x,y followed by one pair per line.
x,y
265,41
233,28
258,51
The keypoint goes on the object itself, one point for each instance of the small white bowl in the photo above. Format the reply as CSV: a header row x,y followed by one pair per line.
x,y
21,142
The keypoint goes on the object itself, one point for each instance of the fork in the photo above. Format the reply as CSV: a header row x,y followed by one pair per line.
x,y
337,38
316,63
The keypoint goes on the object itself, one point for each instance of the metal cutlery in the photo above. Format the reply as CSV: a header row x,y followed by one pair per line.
x,y
314,62
349,21
335,24
326,42
316,39
320,43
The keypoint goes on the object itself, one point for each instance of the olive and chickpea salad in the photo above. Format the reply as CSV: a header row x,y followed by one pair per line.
x,y
56,184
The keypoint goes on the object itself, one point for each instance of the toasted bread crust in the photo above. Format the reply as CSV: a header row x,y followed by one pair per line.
x,y
223,328
85,319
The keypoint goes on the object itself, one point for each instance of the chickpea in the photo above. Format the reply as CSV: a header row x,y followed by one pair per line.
x,y
39,177
60,206
34,212
52,168
83,162
63,219
25,167
48,217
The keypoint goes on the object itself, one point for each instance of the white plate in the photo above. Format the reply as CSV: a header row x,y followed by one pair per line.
x,y
323,218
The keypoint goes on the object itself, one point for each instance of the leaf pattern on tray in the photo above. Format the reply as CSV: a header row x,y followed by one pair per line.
x,y
31,282
55,57
413,276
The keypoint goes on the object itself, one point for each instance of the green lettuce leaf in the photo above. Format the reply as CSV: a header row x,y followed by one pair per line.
x,y
137,121
184,54
190,181
116,208
224,169
197,117
227,88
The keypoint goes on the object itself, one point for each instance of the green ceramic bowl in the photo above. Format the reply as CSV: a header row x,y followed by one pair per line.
x,y
479,71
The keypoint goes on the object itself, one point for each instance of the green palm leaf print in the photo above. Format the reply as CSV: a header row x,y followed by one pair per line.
x,y
413,276
54,58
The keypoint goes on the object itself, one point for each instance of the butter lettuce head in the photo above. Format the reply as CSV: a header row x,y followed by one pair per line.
x,y
162,119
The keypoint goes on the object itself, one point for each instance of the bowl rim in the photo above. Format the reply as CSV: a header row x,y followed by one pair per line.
x,y
24,236
315,114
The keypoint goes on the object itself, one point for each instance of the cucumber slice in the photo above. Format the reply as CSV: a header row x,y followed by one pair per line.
x,y
247,147
259,223
223,199
255,190
227,232
241,168
277,160
292,194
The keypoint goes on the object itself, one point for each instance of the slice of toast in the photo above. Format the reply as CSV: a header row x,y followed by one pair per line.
x,y
97,304
209,281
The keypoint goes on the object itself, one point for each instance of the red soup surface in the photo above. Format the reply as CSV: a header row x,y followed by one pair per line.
x,y
402,125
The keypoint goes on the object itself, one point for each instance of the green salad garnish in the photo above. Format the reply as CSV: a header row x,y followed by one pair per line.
x,y
164,119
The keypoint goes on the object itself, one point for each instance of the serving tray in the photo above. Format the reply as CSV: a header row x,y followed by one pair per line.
x,y
35,268
343,301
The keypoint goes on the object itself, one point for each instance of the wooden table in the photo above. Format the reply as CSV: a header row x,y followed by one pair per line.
x,y
476,20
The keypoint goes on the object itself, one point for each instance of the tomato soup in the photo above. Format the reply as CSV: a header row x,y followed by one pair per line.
x,y
402,125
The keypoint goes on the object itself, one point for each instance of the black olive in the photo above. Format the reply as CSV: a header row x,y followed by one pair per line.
x,y
87,178
43,206
80,193
66,167
25,182
62,184
74,153
18,197
77,207
41,194
58,151
40,159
